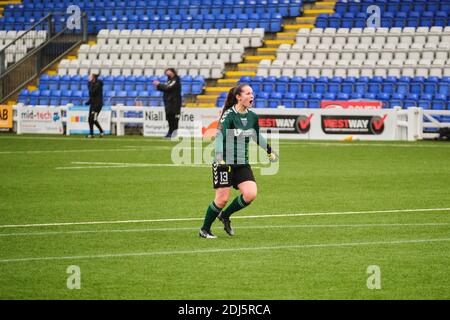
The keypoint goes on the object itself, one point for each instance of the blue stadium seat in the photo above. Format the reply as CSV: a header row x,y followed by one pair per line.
x,y
289,100
432,6
445,6
411,100
417,5
130,83
321,85
387,20
221,99
308,85
397,100
262,100
24,96
430,85
417,85
414,20
392,6
425,101
294,85
384,98
44,98
322,21
334,21
426,19
275,99
389,84
358,96
314,100
348,85
197,85
269,84
329,96
156,99
334,86
77,97
282,84
375,84
302,100
400,19
439,102
361,85
441,19
131,98
34,97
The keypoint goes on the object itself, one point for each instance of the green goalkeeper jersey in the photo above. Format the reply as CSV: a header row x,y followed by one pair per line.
x,y
233,136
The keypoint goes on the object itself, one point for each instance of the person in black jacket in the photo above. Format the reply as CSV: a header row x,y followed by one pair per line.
x,y
95,103
172,99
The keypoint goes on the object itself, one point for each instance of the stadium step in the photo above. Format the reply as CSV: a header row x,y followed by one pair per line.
x,y
92,43
325,4
305,20
286,35
296,27
200,105
216,90
52,72
31,88
266,51
238,74
247,67
257,59
316,12
276,43
207,98
6,2
227,82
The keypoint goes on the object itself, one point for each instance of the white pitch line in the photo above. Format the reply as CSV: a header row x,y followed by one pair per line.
x,y
374,225
144,148
57,224
112,165
73,138
227,250
103,165
72,151
359,144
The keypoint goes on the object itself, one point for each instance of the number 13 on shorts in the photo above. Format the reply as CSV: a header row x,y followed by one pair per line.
x,y
221,176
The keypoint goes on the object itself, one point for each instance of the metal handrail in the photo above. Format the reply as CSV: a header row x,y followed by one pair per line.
x,y
29,30
37,50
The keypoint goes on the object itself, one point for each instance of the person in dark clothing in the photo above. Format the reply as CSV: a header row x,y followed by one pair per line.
x,y
95,103
172,99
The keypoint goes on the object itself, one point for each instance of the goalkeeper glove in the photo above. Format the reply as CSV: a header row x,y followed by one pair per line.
x,y
273,157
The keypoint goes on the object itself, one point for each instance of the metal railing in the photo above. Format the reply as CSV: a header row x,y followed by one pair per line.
x,y
38,48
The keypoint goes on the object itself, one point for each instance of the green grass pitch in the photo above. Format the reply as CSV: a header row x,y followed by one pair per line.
x,y
333,210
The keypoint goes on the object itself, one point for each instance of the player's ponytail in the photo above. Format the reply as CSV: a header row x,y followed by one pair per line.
x,y
231,99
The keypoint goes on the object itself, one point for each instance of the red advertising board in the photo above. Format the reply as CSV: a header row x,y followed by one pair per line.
x,y
350,104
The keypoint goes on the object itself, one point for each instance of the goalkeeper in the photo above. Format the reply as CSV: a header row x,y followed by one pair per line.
x,y
236,127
